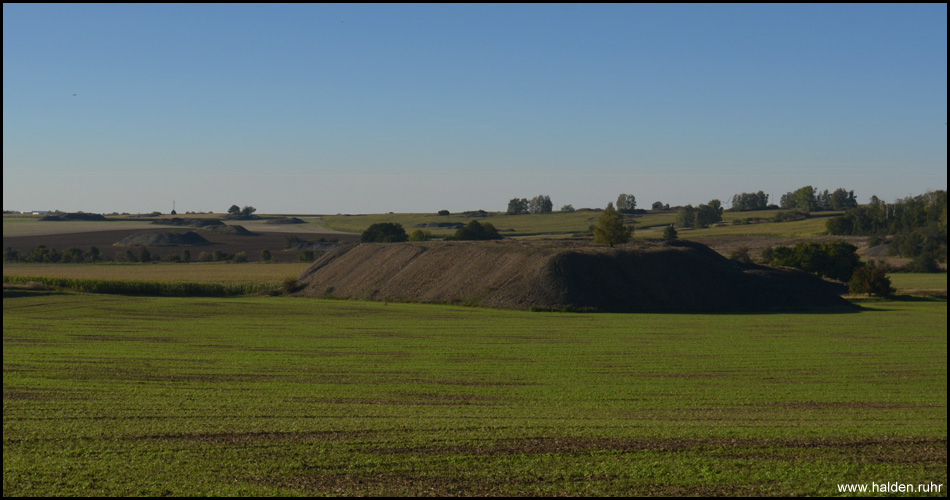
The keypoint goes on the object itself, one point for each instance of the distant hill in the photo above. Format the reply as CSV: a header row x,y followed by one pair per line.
x,y
73,216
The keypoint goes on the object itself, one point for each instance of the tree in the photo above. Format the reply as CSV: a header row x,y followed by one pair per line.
x,y
750,201
384,232
234,210
805,199
708,214
247,211
540,204
686,216
870,280
626,203
657,205
444,212
610,229
567,208
93,255
517,206
265,255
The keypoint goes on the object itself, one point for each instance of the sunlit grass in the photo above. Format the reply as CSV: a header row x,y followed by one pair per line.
x,y
109,395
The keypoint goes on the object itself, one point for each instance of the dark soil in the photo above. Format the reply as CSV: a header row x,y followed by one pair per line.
x,y
229,243
641,277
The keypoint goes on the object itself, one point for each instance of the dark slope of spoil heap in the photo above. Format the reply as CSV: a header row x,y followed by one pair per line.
x,y
641,277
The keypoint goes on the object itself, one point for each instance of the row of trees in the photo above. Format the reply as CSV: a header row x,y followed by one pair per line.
x,y
540,204
701,216
245,212
41,254
917,227
808,199
744,202
392,232
832,259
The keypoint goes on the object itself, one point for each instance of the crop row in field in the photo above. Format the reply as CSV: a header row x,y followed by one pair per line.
x,y
116,395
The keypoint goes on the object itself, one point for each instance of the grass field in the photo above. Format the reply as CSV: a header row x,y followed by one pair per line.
x,y
193,272
918,281
110,395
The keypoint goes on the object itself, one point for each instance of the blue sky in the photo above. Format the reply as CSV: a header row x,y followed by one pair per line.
x,y
417,108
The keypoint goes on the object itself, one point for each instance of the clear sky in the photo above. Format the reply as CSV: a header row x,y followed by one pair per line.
x,y
418,108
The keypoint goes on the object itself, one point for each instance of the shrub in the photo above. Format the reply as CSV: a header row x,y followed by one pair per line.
x,y
669,233
288,285
305,256
384,232
265,255
444,212
741,255
240,257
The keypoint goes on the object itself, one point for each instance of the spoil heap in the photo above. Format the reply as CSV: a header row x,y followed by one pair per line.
x,y
641,277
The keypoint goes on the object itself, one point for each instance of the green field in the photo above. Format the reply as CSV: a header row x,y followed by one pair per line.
x,y
112,395
918,281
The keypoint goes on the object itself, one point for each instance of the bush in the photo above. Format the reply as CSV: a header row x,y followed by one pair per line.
x,y
306,256
871,280
669,233
741,255
384,232
475,231
444,212
240,257
265,255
